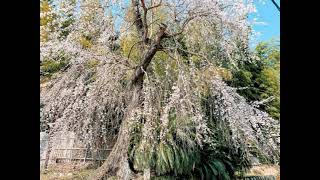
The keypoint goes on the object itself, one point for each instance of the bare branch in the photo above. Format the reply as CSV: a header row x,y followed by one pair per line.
x,y
154,21
133,46
185,23
189,52
277,6
168,53
155,6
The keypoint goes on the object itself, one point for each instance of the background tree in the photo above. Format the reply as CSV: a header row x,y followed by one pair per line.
x,y
259,80
47,17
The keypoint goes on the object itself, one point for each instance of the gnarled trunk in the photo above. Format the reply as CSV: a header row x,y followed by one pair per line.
x,y
117,161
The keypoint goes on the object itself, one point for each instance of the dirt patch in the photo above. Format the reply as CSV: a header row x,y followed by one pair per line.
x,y
264,170
66,172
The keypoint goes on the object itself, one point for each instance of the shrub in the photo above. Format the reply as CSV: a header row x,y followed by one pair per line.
x,y
49,67
85,42
92,63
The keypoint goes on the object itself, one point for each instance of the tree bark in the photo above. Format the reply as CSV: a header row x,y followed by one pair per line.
x,y
117,161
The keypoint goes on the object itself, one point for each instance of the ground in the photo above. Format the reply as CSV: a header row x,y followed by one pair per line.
x,y
65,172
69,172
265,170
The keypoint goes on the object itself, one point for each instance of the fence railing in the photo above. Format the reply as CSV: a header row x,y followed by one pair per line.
x,y
69,149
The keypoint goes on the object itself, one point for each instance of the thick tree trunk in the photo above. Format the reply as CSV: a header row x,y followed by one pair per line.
x,y
117,161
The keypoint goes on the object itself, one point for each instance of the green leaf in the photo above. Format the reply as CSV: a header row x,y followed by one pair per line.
x,y
215,172
170,155
219,165
207,174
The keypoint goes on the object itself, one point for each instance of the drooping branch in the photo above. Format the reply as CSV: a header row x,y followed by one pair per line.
x,y
190,52
132,48
108,98
185,23
118,160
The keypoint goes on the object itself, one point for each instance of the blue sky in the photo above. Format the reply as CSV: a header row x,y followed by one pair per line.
x,y
266,13
270,15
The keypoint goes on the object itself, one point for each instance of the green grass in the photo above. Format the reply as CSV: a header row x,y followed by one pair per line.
x,y
66,175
